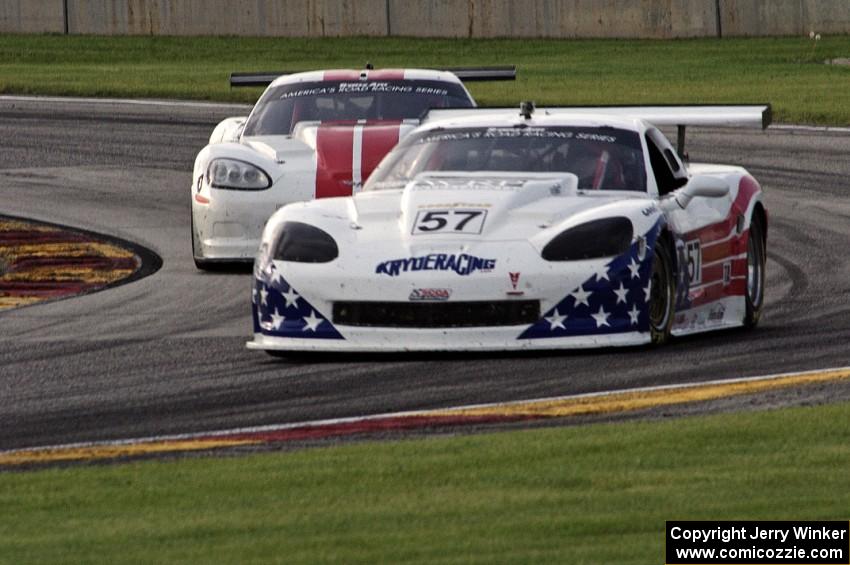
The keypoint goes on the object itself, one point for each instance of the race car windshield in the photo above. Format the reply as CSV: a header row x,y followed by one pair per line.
x,y
281,108
602,158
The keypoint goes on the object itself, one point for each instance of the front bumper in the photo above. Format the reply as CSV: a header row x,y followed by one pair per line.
x,y
228,224
455,339
582,304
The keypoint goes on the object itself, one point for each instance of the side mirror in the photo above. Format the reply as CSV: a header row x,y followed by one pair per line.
x,y
701,185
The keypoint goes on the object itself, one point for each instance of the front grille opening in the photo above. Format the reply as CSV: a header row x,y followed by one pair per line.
x,y
436,315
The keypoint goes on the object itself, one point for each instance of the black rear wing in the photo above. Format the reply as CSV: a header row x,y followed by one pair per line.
x,y
466,74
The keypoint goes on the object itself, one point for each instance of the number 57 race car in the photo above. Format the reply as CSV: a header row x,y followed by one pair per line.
x,y
492,229
311,135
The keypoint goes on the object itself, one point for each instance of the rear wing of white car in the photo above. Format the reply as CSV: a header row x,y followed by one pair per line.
x,y
465,74
681,116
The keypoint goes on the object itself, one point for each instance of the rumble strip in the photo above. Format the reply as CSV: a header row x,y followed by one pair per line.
x,y
525,410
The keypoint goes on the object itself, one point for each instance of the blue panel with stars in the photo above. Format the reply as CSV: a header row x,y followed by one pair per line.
x,y
613,300
279,311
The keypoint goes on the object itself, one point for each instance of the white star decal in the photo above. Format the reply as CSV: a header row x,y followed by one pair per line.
x,y
602,273
634,266
291,298
277,319
621,293
556,320
633,314
312,321
647,290
276,275
601,318
581,296
264,296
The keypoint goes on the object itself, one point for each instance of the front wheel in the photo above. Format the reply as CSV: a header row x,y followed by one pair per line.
x,y
662,295
756,258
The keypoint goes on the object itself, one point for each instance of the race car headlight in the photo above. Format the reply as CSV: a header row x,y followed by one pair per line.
x,y
304,243
239,175
598,238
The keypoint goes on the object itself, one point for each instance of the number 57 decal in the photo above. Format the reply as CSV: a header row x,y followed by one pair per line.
x,y
467,221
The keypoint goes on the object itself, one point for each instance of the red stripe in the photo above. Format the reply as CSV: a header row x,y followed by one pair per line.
x,y
709,234
717,251
90,262
369,426
341,75
714,273
386,74
50,289
377,142
29,237
334,150
713,250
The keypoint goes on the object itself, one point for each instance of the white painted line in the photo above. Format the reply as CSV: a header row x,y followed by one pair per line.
x,y
793,127
428,412
127,101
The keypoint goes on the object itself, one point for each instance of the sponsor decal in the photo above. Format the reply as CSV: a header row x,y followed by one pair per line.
x,y
450,220
514,283
432,294
694,258
717,313
462,264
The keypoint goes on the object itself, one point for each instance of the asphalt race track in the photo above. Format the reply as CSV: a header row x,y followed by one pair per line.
x,y
166,354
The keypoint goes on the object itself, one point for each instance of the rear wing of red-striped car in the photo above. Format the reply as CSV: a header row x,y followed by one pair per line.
x,y
465,74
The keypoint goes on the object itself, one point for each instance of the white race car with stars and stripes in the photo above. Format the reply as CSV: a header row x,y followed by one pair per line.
x,y
492,229
310,135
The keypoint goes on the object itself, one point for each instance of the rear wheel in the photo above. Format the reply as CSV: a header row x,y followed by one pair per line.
x,y
661,295
756,258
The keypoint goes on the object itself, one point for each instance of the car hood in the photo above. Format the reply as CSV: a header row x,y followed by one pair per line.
x,y
344,153
512,207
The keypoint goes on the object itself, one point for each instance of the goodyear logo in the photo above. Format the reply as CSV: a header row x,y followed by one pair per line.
x,y
462,264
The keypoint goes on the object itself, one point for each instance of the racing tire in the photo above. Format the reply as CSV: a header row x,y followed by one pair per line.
x,y
756,260
662,295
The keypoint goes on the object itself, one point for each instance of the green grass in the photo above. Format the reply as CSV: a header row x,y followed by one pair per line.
x,y
784,71
594,494
579,495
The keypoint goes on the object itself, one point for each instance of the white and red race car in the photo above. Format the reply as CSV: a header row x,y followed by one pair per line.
x,y
310,135
492,229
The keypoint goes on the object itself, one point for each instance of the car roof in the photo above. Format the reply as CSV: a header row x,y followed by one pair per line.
x,y
367,74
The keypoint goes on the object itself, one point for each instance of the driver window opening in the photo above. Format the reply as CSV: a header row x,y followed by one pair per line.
x,y
664,177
